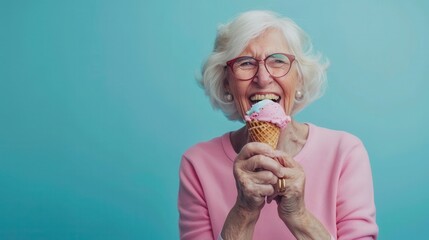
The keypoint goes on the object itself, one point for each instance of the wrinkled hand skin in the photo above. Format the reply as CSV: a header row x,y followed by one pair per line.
x,y
257,170
291,201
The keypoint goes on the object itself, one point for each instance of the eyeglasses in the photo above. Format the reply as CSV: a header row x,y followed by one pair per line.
x,y
245,68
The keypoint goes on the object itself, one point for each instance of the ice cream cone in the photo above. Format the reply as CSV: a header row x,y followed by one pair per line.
x,y
261,131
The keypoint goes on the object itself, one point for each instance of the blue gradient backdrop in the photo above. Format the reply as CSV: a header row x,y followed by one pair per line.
x,y
84,154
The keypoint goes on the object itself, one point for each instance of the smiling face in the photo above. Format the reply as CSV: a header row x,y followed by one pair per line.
x,y
263,85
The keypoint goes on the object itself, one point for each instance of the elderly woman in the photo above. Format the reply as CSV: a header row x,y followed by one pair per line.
x,y
228,185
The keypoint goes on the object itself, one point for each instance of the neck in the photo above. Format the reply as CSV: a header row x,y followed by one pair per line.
x,y
292,138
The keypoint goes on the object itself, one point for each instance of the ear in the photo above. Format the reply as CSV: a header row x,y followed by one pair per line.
x,y
300,84
300,78
226,85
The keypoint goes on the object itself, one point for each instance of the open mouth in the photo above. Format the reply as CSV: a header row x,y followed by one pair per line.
x,y
259,97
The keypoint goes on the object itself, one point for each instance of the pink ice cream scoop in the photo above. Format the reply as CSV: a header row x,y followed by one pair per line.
x,y
268,111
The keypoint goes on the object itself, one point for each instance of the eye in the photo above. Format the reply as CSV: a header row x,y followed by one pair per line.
x,y
246,63
277,60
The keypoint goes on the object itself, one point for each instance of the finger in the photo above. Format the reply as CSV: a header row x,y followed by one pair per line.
x,y
265,190
255,190
264,163
289,173
284,159
279,189
271,197
292,189
275,197
265,177
255,148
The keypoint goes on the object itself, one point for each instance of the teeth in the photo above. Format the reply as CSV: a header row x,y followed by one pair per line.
x,y
259,97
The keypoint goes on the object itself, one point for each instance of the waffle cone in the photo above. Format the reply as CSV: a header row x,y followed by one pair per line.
x,y
263,132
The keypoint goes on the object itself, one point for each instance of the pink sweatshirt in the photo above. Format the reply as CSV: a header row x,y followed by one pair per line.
x,y
338,190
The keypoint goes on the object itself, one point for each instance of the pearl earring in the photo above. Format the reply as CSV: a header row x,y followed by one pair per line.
x,y
299,95
229,97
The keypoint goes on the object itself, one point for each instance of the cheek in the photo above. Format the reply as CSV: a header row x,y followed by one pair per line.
x,y
288,104
239,89
241,101
289,87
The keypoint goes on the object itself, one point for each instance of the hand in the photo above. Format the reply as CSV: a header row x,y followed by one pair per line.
x,y
291,201
256,172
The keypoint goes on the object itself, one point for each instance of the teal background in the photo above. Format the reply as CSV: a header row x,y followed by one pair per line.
x,y
85,154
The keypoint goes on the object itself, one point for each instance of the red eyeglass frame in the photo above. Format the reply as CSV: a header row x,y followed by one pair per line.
x,y
291,58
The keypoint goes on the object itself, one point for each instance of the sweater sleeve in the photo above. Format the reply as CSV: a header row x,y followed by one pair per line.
x,y
194,222
355,198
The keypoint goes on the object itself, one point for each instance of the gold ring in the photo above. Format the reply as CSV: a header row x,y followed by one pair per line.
x,y
281,184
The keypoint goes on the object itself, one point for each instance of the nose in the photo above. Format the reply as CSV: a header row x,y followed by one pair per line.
x,y
263,77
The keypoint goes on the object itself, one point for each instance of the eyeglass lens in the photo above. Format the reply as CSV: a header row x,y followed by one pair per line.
x,y
277,65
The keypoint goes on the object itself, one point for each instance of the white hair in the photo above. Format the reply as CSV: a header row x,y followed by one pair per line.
x,y
234,36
